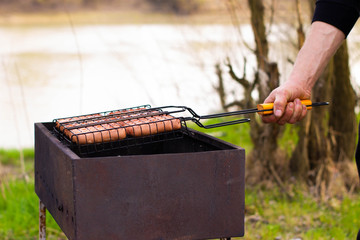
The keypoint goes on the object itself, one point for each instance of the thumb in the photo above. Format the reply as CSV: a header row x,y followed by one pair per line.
x,y
279,105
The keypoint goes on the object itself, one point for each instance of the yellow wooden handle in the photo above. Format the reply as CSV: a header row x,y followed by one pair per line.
x,y
270,106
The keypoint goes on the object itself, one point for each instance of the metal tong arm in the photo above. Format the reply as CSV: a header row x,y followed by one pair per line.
x,y
263,109
196,117
228,123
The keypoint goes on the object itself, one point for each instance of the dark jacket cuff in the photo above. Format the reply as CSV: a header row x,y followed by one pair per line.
x,y
339,15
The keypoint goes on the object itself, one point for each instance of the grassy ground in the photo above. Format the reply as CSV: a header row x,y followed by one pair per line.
x,y
19,205
269,213
19,212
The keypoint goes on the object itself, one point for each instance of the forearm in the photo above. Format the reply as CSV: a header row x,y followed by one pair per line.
x,y
332,21
321,44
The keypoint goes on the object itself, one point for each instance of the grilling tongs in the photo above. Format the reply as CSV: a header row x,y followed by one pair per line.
x,y
262,109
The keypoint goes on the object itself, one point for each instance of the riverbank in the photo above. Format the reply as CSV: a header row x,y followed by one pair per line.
x,y
96,17
128,12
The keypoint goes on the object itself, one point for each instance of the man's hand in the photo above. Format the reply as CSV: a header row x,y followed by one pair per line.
x,y
320,45
287,105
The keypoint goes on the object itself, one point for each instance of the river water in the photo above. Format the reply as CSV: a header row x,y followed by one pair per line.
x,y
51,72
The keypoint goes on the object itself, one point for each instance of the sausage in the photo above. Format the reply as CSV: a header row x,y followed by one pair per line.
x,y
171,124
151,125
139,127
97,130
63,122
97,134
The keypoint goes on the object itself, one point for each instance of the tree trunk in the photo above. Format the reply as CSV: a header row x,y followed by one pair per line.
x,y
299,161
311,159
342,123
329,139
264,136
258,26
318,148
313,148
342,120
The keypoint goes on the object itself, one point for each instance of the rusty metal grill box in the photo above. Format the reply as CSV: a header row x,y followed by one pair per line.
x,y
186,188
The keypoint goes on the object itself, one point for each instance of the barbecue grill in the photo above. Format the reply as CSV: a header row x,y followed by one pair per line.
x,y
140,173
123,129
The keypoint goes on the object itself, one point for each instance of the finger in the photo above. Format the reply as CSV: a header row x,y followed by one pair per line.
x,y
298,109
304,112
271,97
288,113
268,118
279,105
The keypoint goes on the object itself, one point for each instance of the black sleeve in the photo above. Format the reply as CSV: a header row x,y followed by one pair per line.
x,y
342,14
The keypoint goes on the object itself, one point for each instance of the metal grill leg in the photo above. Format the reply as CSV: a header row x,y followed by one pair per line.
x,y
42,221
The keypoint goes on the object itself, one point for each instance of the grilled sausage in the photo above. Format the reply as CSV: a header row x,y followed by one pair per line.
x,y
97,134
94,128
151,125
63,122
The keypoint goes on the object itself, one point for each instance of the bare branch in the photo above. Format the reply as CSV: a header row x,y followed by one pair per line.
x,y
230,5
220,88
242,81
240,104
300,29
271,20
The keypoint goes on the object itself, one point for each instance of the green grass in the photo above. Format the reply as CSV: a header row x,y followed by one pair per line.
x,y
235,134
12,156
240,134
19,205
270,214
19,212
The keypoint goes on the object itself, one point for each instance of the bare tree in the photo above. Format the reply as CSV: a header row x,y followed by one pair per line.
x,y
263,160
326,138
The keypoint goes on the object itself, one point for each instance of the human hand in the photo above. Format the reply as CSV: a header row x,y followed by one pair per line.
x,y
287,104
320,45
